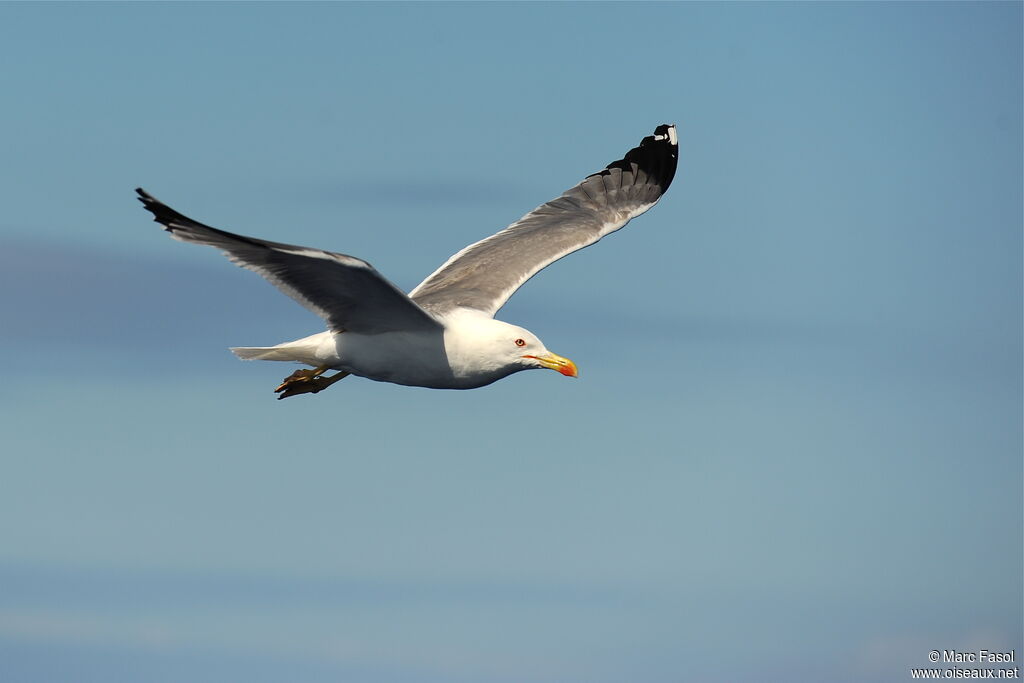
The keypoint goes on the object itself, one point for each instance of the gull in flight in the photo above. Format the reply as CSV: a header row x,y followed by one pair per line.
x,y
443,334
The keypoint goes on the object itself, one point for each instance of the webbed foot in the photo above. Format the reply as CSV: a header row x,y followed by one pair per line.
x,y
300,377
307,382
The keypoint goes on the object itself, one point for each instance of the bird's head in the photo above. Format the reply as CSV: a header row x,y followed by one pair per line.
x,y
529,352
488,345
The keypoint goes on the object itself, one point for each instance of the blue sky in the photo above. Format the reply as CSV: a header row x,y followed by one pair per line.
x,y
794,451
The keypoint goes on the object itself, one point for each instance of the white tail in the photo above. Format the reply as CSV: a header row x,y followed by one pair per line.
x,y
301,350
264,353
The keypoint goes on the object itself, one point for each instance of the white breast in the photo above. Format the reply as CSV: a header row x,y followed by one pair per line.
x,y
460,357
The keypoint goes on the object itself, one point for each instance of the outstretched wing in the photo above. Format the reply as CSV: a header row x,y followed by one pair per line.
x,y
345,291
484,275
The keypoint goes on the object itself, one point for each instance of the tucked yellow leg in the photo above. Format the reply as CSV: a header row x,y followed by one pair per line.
x,y
309,382
301,376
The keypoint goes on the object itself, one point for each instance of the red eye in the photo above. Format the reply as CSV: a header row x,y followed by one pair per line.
x,y
520,342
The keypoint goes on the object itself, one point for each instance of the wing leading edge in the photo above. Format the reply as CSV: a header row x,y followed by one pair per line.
x,y
484,275
347,292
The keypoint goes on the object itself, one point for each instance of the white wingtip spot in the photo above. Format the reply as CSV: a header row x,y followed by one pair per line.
x,y
671,136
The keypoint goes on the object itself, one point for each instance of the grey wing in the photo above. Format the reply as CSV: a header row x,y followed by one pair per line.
x,y
485,274
345,291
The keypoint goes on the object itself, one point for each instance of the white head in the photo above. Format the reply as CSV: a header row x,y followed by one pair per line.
x,y
480,346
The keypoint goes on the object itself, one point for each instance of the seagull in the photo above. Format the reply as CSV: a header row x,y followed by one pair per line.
x,y
443,334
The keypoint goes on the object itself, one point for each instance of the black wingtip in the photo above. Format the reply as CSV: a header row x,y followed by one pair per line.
x,y
163,214
149,201
657,155
178,223
666,132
